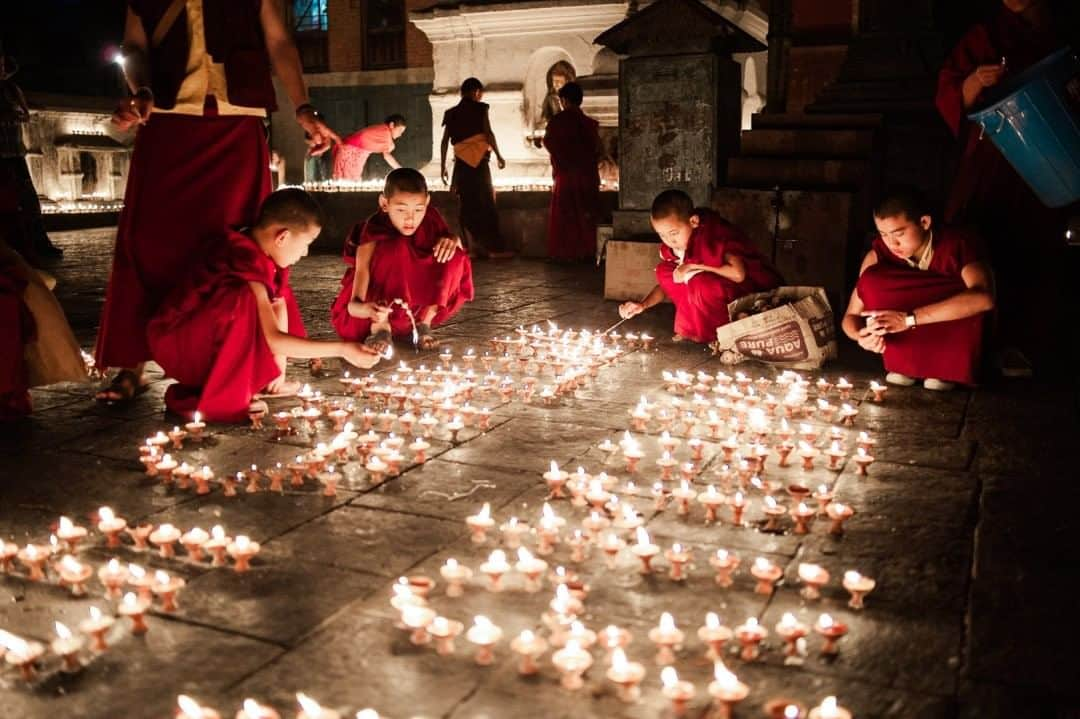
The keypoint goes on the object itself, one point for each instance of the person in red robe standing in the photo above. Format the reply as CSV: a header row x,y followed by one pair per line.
x,y
199,74
352,154
921,298
1025,239
403,252
573,139
706,262
224,332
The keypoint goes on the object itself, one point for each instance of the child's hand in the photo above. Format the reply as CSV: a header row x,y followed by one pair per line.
x,y
377,313
133,111
630,309
870,341
445,248
682,273
360,355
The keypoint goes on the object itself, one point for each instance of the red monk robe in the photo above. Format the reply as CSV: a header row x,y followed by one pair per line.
x,y
573,139
403,267
190,176
207,336
701,303
947,351
17,328
1024,238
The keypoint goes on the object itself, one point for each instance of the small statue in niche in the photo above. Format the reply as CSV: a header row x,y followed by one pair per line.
x,y
558,75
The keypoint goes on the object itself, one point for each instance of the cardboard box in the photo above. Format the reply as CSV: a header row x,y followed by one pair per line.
x,y
630,271
797,335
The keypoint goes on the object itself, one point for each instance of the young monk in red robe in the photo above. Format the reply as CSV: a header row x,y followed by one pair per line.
x,y
921,298
403,252
573,139
706,262
224,332
199,72
989,194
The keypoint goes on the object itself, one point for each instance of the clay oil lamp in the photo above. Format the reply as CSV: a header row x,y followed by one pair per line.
x,y
113,576
70,534
767,574
813,577
531,568
844,388
195,427
456,577
858,586
67,646
202,478
832,631
807,453
555,479
802,514
495,568
141,582
74,574
229,482
134,608
725,563
839,513
33,557
416,618
164,468
166,587
660,495
547,531
645,550
253,710
836,455
678,557
164,537
626,676
22,654
611,545
684,494
829,709
484,635
738,506
865,442
242,549
480,523
750,636
8,552
217,545
712,500
791,630
667,637
847,415
579,544
773,512
96,626
572,661
714,635
726,691
111,526
678,692
863,459
823,495
529,647
444,631
188,708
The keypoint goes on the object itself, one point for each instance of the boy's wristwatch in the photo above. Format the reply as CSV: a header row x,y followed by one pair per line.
x,y
909,320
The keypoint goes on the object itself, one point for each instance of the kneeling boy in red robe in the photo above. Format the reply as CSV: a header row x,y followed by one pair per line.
x,y
403,256
706,262
922,296
224,333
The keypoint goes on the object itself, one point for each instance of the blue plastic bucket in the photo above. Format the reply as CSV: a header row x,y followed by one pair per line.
x,y
1034,119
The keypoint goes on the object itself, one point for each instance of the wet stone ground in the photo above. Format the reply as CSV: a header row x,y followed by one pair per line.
x,y
966,522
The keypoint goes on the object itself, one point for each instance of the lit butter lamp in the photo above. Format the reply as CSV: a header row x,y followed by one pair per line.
x,y
726,691
678,691
626,676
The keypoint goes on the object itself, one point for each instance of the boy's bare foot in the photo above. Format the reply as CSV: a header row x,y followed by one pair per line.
x,y
281,387
124,387
426,340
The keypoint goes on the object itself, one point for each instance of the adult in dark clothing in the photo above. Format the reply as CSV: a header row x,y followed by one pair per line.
x,y
467,128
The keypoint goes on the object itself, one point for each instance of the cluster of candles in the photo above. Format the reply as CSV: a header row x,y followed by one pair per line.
x,y
189,708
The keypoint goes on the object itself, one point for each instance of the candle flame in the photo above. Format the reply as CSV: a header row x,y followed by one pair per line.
x,y
554,468
524,555
669,677
95,613
161,577
70,564
791,712
136,571
852,577
252,708
451,564
828,706
190,708
483,622
498,556
105,514
825,621
485,512
788,621
198,417
712,620
667,622
218,532
62,631
725,678
66,525
643,539
130,600
762,564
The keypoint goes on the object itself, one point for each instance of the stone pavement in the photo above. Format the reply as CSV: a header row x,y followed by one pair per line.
x,y
965,522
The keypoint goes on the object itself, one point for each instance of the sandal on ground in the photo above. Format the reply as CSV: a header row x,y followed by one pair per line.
x,y
425,339
379,341
124,387
677,338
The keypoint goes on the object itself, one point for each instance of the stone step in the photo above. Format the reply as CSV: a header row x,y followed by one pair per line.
x,y
795,173
763,121
802,142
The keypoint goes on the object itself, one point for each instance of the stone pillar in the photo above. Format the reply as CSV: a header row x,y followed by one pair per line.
x,y
679,104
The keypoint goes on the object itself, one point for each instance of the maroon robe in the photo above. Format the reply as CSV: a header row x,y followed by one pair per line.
x,y
207,335
190,176
573,139
947,351
701,304
17,327
1025,239
403,267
